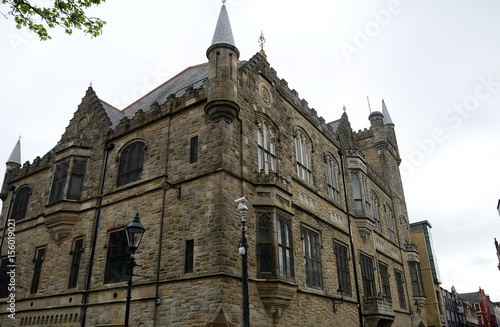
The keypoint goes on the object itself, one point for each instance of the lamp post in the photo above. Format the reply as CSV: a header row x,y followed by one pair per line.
x,y
243,209
134,232
340,292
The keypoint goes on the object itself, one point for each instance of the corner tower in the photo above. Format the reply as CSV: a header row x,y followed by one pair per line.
x,y
222,72
13,166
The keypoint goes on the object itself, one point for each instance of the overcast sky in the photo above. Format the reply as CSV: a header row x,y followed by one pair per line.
x,y
435,63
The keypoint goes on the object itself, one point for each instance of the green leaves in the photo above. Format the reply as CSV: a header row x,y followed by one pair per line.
x,y
68,14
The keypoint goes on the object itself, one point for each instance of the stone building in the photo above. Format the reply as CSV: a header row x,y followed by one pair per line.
x,y
326,210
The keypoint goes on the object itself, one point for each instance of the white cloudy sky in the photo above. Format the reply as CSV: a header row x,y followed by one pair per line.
x,y
436,64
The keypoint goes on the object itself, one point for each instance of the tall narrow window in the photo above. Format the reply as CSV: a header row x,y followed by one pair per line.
x,y
75,263
303,156
367,276
332,178
131,163
20,203
4,278
116,268
356,192
375,212
285,248
76,180
37,271
416,278
189,257
193,149
312,258
404,229
59,182
266,141
342,259
390,222
384,278
265,244
399,285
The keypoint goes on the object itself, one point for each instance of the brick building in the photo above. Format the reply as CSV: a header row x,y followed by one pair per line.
x,y
480,303
326,210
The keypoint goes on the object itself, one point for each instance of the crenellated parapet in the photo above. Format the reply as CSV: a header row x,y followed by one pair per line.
x,y
258,65
171,106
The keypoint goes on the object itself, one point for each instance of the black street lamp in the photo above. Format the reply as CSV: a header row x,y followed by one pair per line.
x,y
243,209
134,232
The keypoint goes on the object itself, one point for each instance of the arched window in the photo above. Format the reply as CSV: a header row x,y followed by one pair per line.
x,y
375,213
131,163
266,140
390,222
303,155
21,203
332,178
404,229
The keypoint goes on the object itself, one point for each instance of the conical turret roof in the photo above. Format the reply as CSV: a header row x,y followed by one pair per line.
x,y
15,156
223,33
385,112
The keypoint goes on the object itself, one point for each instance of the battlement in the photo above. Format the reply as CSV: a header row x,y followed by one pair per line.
x,y
259,64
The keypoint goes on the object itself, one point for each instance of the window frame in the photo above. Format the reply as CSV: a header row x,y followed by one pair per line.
x,y
38,260
342,258
303,154
375,204
133,156
385,280
273,247
116,260
21,200
332,177
267,136
417,285
76,256
189,257
59,181
398,276
311,243
367,276
193,149
389,220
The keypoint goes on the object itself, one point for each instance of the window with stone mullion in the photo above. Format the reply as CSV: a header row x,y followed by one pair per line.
x,y
266,148
131,163
332,179
375,212
302,152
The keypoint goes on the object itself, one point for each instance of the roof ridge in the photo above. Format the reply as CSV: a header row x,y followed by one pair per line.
x,y
159,86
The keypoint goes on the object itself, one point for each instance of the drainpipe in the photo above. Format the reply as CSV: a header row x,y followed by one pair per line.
x,y
11,189
353,252
107,148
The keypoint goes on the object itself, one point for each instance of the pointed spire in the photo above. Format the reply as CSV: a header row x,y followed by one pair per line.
x,y
385,112
223,33
15,156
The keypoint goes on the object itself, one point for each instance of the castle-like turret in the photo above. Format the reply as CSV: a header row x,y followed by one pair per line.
x,y
13,166
377,126
222,72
